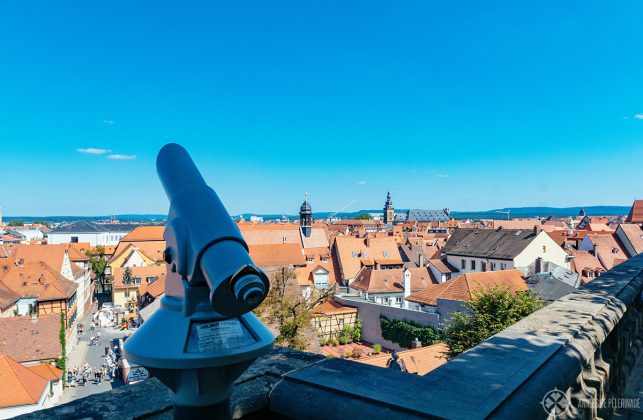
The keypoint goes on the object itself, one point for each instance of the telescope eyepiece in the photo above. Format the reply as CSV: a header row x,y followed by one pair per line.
x,y
249,289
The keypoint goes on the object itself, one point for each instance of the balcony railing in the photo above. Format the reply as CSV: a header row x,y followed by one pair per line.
x,y
575,355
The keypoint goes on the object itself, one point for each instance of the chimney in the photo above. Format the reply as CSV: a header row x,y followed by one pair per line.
x,y
539,265
537,229
407,286
368,241
416,344
594,250
21,262
421,260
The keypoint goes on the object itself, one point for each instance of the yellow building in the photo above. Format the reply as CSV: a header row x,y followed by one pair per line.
x,y
331,317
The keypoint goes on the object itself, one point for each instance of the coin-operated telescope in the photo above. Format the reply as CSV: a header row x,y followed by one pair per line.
x,y
203,336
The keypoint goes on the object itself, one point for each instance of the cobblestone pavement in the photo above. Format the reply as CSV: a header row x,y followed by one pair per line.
x,y
94,355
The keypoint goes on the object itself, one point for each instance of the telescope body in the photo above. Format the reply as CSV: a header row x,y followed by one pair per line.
x,y
203,336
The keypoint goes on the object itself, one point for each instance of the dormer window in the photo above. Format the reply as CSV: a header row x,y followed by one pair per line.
x,y
365,254
355,254
310,260
385,254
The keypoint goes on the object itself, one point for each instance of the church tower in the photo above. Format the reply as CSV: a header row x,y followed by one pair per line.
x,y
582,212
389,211
306,218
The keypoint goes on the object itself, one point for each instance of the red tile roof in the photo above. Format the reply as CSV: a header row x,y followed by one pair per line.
x,y
383,281
19,385
331,307
36,280
47,371
465,286
145,233
418,361
28,340
636,212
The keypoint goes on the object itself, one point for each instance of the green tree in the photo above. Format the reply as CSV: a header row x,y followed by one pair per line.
x,y
61,362
491,312
98,260
363,216
289,313
16,223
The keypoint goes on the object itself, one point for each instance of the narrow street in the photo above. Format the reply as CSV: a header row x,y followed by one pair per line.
x,y
92,354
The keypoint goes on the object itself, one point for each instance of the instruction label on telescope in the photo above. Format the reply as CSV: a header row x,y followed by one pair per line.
x,y
216,335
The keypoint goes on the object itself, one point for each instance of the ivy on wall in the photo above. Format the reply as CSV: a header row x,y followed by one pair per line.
x,y
404,332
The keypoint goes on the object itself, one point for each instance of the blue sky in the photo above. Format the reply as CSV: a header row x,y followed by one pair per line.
x,y
467,105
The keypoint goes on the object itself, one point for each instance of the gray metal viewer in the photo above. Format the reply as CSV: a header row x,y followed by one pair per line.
x,y
203,336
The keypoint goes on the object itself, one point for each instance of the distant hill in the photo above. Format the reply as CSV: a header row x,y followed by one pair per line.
x,y
543,212
487,214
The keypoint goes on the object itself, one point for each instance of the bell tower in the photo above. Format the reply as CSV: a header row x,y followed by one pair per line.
x,y
389,211
306,217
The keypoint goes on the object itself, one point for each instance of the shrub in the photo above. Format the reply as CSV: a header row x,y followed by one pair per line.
x,y
343,338
332,341
404,332
357,353
377,348
491,312
323,341
348,354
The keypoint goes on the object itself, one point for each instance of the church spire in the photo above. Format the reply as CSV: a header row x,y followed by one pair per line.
x,y
306,217
389,211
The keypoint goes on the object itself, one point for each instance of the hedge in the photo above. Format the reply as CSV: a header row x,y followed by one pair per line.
x,y
404,332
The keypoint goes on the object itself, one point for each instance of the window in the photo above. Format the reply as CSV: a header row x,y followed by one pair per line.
x,y
74,239
317,324
341,322
365,254
151,279
127,293
324,260
385,254
137,281
503,266
473,264
544,248
463,264
310,260
493,266
354,254
398,300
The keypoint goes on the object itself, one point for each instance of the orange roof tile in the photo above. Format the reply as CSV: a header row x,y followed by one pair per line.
x,y
53,255
350,252
418,361
465,286
274,255
145,233
608,250
331,307
28,340
47,371
636,212
383,281
36,280
19,385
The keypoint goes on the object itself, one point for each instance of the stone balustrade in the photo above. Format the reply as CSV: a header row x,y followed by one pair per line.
x,y
583,347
